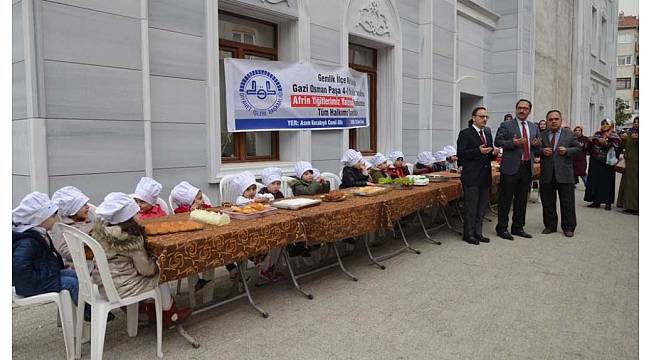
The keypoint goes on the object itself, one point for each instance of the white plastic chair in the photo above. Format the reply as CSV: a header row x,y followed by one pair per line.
x,y
89,293
227,189
163,205
285,186
410,167
335,181
66,312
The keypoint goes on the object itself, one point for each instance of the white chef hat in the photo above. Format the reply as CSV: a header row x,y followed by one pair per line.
x,y
351,157
450,150
378,159
243,181
117,208
367,164
316,173
184,193
147,190
70,200
301,167
439,156
425,158
395,154
35,208
270,175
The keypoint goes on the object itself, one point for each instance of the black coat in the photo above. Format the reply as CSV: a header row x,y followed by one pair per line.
x,y
36,264
353,177
477,167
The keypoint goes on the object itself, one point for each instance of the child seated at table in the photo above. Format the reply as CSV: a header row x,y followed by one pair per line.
x,y
272,180
246,186
37,267
309,180
132,268
424,164
379,168
440,161
146,196
452,158
353,170
397,167
74,211
187,198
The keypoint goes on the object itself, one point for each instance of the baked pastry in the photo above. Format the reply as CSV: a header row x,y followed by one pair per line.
x,y
160,228
334,195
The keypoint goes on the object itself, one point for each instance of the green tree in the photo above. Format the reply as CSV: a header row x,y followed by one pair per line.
x,y
623,113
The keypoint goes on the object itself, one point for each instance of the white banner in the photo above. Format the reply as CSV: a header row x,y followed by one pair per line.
x,y
275,95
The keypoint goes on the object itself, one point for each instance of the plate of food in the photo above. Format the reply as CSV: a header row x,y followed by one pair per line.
x,y
333,196
171,227
295,203
370,191
210,217
250,211
419,180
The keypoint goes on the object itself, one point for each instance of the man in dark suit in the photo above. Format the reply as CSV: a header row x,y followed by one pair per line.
x,y
520,141
475,152
559,146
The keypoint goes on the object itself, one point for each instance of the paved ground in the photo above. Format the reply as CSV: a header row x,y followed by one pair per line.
x,y
549,297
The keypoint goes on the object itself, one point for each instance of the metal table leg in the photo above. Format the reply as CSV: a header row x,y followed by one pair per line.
x,y
285,256
240,268
377,259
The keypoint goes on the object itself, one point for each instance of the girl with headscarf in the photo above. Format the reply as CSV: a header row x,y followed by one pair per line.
x,y
580,160
541,125
628,192
146,196
601,177
133,270
397,167
353,170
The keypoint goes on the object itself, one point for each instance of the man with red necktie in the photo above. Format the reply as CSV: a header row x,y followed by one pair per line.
x,y
520,141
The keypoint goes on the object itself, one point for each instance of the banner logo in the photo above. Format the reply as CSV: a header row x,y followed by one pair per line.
x,y
260,92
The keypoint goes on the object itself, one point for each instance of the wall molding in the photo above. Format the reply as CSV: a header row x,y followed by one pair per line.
x,y
477,13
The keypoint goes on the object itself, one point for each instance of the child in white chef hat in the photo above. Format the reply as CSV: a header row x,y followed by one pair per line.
x,y
452,158
74,211
397,167
309,180
424,164
271,178
440,161
354,167
246,186
132,268
146,196
187,197
379,168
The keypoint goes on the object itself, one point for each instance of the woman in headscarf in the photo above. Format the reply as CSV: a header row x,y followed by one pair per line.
x,y
541,125
601,177
580,161
628,192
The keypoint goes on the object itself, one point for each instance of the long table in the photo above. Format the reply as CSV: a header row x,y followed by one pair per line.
x,y
186,253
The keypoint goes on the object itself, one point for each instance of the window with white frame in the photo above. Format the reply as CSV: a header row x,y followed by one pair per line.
x,y
594,30
623,83
603,39
625,60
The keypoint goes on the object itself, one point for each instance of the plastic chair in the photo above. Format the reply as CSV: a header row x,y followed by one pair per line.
x,y
227,189
66,313
89,293
163,205
335,181
285,186
410,167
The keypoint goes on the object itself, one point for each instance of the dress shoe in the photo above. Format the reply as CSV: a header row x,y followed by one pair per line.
x,y
505,235
483,239
548,231
568,233
472,240
608,206
522,234
594,205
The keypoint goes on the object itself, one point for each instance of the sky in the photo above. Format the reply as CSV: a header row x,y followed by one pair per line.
x,y
630,7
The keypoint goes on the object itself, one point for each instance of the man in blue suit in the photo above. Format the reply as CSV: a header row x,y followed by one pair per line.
x,y
520,141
